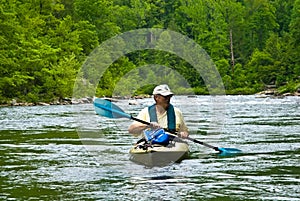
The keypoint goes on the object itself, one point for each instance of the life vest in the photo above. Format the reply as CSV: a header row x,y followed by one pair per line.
x,y
158,136
170,116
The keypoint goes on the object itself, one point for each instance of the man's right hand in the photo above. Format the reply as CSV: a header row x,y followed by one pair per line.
x,y
154,125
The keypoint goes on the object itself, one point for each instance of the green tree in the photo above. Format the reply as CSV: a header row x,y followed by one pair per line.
x,y
233,13
60,77
261,68
99,13
283,15
260,21
203,21
9,39
295,32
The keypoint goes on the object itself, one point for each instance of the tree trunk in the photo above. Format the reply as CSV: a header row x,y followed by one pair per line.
x,y
231,52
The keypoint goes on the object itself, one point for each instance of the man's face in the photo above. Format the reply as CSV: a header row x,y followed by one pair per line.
x,y
163,101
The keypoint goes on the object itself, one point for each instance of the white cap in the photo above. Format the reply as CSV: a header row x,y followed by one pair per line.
x,y
163,90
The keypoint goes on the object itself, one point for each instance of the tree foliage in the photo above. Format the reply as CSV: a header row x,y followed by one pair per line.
x,y
44,43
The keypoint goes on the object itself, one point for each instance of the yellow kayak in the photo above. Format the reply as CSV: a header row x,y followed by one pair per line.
x,y
159,155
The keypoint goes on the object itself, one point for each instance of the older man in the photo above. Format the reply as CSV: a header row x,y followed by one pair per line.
x,y
161,115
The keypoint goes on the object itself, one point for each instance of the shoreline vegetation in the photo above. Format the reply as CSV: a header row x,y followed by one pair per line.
x,y
44,44
269,93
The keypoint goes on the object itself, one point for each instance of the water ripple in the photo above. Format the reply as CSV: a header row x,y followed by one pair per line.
x,y
69,153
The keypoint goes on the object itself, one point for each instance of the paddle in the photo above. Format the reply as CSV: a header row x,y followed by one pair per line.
x,y
108,109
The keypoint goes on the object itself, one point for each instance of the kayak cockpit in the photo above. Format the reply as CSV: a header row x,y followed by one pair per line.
x,y
159,155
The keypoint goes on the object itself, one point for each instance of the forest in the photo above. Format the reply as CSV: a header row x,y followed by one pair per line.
x,y
44,43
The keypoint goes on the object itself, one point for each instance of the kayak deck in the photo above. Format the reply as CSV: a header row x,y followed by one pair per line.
x,y
158,155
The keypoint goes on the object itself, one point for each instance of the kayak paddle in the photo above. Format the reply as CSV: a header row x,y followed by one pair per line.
x,y
108,109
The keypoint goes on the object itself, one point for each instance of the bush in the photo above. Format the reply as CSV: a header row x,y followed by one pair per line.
x,y
241,91
200,91
291,87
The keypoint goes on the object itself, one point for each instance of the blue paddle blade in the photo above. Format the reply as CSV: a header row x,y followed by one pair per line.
x,y
108,109
229,151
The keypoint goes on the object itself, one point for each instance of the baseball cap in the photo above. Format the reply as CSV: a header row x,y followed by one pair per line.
x,y
163,90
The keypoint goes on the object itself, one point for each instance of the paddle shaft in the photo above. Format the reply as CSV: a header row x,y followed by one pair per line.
x,y
189,138
204,144
139,120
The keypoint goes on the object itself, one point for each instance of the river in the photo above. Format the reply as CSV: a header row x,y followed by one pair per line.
x,y
70,153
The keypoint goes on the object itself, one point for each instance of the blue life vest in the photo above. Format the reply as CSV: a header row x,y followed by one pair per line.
x,y
170,115
159,136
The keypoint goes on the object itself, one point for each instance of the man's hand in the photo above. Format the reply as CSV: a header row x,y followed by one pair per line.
x,y
183,134
154,125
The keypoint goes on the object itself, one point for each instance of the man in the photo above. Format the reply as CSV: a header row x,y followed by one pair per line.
x,y
161,115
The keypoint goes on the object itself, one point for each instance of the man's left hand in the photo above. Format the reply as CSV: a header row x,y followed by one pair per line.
x,y
184,134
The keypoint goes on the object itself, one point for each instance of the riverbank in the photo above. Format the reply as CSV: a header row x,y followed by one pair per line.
x,y
69,101
64,101
275,93
87,100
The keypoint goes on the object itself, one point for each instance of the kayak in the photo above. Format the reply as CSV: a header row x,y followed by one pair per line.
x,y
159,155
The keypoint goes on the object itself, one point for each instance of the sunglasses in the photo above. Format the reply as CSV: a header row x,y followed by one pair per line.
x,y
169,96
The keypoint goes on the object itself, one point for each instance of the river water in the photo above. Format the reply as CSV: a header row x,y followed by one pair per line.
x,y
70,153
